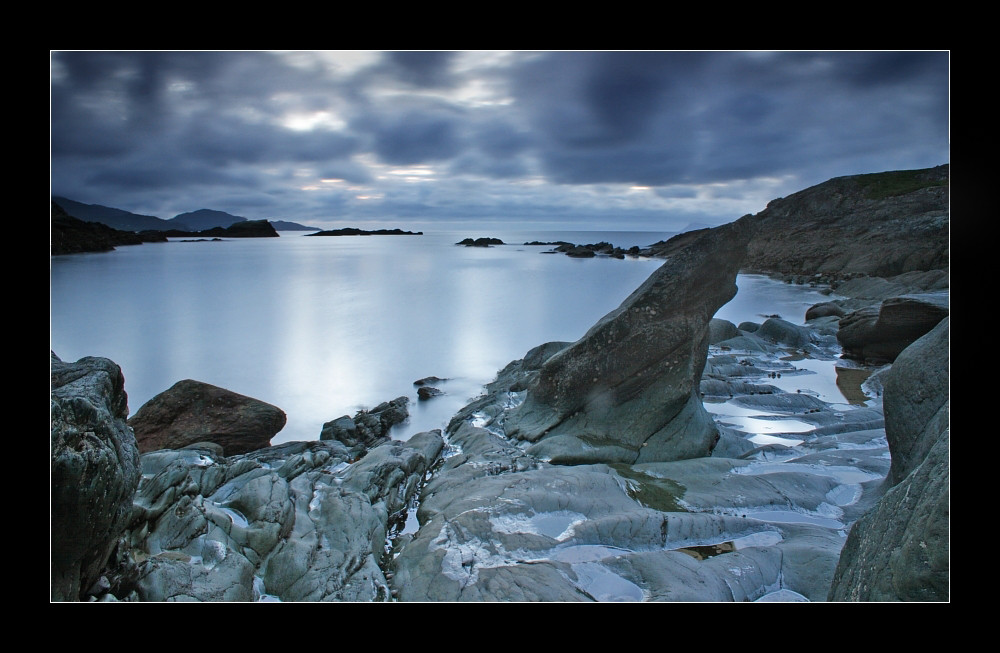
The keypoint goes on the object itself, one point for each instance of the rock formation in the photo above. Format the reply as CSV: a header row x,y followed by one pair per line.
x,y
354,231
480,242
878,334
899,550
627,390
72,236
192,411
244,229
368,428
94,472
882,224
295,522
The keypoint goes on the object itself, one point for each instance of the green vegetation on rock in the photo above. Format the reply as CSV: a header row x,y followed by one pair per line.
x,y
656,493
881,185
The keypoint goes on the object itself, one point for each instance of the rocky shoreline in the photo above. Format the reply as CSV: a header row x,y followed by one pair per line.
x,y
615,468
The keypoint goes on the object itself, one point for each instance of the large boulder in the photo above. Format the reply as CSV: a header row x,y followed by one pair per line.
x,y
627,390
94,471
879,334
899,550
192,411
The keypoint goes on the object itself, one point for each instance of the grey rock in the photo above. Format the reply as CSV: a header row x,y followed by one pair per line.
x,y
368,428
638,369
720,330
783,332
899,550
94,471
916,400
824,309
192,411
294,522
748,327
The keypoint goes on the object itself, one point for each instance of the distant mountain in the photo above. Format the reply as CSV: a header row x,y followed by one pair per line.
x,y
203,219
70,235
114,218
284,225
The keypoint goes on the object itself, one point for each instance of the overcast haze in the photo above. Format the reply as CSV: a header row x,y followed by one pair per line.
x,y
605,140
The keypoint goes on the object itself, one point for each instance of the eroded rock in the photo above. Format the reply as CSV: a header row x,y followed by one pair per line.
x,y
627,390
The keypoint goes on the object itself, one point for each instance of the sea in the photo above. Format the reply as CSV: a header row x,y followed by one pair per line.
x,y
322,327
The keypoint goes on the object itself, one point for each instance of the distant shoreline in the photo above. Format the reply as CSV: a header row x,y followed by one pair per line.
x,y
353,231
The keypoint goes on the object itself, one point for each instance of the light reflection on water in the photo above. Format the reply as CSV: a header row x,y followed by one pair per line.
x,y
323,327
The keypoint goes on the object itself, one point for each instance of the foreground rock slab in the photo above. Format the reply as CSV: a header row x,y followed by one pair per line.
x,y
752,522
192,411
294,522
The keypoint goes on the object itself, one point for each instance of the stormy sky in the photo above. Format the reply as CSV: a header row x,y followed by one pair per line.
x,y
605,140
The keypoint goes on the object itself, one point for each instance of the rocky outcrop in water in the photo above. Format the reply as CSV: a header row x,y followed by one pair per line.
x,y
354,231
627,390
368,428
244,229
191,411
480,242
899,551
94,474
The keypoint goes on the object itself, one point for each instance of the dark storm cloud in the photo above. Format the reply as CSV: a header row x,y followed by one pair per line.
x,y
416,137
662,118
214,125
428,69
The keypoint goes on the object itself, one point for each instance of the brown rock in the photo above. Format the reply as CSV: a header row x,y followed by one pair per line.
x,y
880,334
192,411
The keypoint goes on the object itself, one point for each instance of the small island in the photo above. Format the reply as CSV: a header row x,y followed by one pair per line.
x,y
354,231
480,242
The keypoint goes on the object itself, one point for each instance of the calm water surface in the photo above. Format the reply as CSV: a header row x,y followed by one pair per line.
x,y
323,327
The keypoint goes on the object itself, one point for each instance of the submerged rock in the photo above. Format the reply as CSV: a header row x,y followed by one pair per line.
x,y
94,472
426,392
192,411
627,390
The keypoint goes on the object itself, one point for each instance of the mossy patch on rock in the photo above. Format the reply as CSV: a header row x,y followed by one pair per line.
x,y
657,493
881,185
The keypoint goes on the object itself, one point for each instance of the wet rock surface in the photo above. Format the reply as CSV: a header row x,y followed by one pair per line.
x,y
302,521
751,522
94,473
900,550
